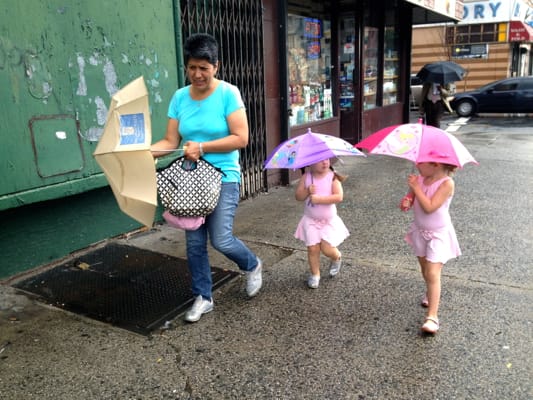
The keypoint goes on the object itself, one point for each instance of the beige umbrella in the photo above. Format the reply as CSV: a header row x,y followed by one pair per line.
x,y
123,152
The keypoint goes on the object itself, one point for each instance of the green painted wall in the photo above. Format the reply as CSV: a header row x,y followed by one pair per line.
x,y
43,232
60,63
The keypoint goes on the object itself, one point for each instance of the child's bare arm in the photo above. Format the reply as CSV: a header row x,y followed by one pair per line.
x,y
301,191
432,204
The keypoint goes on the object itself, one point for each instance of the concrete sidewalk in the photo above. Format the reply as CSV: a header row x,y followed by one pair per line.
x,y
356,337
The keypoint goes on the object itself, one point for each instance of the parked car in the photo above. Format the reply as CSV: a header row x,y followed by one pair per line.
x,y
511,95
414,92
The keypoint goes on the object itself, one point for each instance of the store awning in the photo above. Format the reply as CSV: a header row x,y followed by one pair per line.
x,y
520,32
436,11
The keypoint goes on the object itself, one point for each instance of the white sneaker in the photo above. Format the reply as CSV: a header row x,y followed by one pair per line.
x,y
313,281
200,306
254,279
335,267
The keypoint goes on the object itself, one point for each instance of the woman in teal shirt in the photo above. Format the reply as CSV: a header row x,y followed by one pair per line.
x,y
209,118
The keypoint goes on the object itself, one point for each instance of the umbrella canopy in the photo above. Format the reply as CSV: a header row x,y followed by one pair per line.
x,y
441,72
123,152
308,149
418,143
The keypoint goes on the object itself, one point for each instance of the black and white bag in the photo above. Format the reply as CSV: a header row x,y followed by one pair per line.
x,y
189,188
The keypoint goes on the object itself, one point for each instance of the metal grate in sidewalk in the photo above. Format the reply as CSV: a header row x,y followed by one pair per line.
x,y
132,288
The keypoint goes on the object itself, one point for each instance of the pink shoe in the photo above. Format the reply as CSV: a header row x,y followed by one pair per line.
x,y
424,302
431,325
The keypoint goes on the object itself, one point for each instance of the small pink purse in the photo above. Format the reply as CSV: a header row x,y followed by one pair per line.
x,y
185,223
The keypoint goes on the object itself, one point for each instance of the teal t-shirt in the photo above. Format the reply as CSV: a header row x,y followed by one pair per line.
x,y
205,120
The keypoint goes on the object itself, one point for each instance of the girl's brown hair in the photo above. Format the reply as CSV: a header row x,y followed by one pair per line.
x,y
339,177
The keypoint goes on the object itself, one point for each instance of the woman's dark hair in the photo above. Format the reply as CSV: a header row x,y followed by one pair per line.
x,y
201,46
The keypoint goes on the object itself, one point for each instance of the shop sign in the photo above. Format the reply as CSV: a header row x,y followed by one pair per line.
x,y
520,32
450,8
470,50
482,12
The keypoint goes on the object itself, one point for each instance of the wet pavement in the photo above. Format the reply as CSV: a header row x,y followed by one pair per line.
x,y
356,337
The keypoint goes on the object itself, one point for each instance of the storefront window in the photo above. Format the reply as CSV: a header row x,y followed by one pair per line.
x,y
370,65
348,58
391,66
309,59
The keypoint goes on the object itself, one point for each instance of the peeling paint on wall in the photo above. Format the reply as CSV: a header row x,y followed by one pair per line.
x,y
94,133
154,82
38,77
101,110
82,84
93,60
108,72
110,77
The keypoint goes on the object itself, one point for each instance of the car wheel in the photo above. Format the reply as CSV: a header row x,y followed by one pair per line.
x,y
465,108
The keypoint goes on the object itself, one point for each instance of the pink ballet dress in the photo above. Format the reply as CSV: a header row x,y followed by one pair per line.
x,y
320,221
433,235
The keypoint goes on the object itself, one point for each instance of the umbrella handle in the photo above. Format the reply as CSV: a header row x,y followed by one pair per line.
x,y
312,182
169,150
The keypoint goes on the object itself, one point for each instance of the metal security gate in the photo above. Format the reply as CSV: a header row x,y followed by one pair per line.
x,y
238,26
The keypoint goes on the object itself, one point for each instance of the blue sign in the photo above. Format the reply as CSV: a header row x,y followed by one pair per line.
x,y
312,28
132,129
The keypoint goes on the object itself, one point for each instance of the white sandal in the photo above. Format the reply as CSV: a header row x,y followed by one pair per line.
x,y
431,325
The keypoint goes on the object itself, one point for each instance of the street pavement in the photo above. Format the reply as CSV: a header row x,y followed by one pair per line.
x,y
356,337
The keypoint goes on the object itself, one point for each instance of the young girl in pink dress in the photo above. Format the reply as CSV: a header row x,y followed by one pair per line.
x,y
431,235
321,228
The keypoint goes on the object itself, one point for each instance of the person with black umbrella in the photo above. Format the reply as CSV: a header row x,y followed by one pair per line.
x,y
434,101
437,77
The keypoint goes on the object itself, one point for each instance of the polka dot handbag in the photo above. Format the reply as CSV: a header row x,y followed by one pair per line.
x,y
189,188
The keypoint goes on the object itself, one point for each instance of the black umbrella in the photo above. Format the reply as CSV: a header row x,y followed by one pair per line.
x,y
441,72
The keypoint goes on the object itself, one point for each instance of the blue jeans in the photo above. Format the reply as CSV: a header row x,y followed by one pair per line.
x,y
219,226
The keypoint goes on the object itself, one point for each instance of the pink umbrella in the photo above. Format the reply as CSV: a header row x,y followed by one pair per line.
x,y
308,149
418,143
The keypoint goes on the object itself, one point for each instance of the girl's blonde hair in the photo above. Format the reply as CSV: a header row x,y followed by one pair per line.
x,y
450,169
339,177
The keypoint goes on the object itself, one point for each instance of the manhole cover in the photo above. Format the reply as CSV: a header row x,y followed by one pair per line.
x,y
132,288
